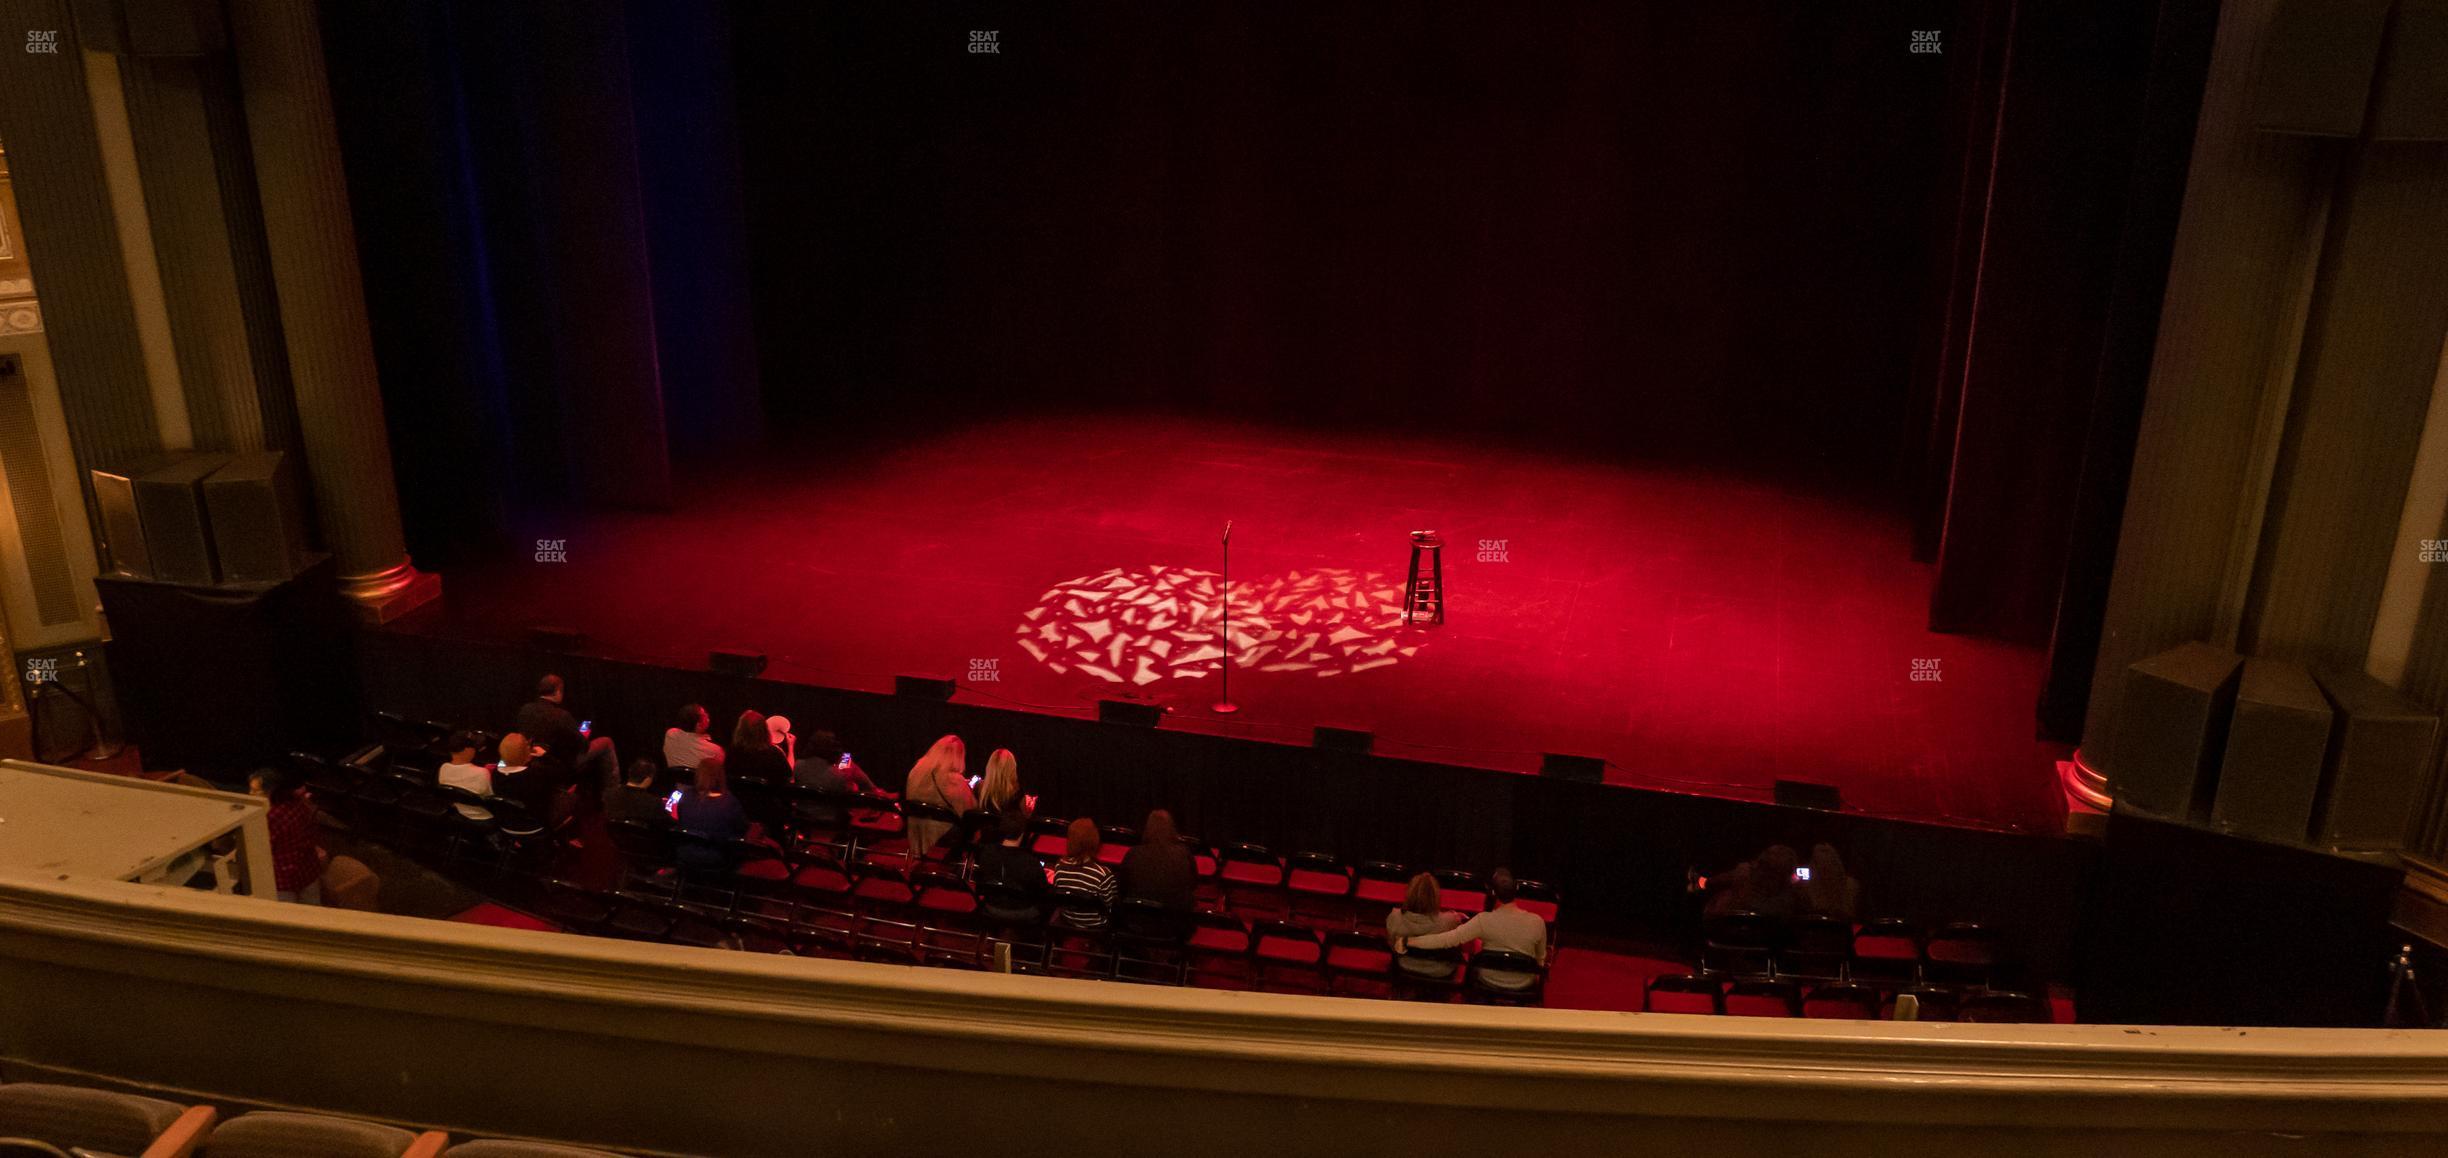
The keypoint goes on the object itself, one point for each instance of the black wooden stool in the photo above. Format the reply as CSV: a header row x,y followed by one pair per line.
x,y
1424,593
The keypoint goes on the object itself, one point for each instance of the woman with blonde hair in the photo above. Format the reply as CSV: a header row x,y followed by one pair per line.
x,y
940,777
1001,791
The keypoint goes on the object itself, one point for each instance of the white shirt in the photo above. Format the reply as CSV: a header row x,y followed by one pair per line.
x,y
687,749
475,778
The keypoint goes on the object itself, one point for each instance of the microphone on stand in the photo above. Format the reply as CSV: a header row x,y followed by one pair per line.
x,y
1224,705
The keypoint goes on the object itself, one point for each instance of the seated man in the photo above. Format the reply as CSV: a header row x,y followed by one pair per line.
x,y
464,772
1507,926
637,797
686,742
588,758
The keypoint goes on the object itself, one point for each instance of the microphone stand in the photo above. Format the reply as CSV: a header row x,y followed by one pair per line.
x,y
1224,705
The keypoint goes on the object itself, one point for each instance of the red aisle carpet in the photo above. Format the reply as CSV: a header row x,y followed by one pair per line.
x,y
1705,633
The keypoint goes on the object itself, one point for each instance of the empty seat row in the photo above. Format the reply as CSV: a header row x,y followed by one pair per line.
x,y
1885,952
1758,997
47,1120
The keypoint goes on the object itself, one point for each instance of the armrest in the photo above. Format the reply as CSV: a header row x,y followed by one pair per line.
x,y
427,1145
184,1135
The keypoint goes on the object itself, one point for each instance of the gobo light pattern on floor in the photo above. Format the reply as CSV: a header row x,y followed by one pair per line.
x,y
1139,626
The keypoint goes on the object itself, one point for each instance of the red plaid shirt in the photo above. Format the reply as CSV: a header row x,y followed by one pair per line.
x,y
297,848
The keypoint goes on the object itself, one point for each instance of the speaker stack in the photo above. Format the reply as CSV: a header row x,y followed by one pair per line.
x,y
229,638
204,520
2248,870
2266,749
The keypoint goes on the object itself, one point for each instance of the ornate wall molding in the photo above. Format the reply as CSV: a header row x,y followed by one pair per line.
x,y
21,317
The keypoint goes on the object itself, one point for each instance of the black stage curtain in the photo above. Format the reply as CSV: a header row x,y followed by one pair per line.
x,y
548,206
1619,854
2061,231
1660,228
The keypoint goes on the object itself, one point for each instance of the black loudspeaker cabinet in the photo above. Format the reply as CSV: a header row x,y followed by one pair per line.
x,y
1579,769
2177,706
177,529
258,527
1804,794
220,681
2378,754
744,664
2275,747
1350,741
122,528
2186,926
924,687
1134,713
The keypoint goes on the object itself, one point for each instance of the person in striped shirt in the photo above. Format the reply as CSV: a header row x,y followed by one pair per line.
x,y
1080,872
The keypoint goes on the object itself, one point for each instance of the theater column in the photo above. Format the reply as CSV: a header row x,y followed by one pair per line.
x,y
85,238
2239,283
16,727
313,246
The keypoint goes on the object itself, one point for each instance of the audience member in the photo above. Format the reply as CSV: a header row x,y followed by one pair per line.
x,y
710,810
1763,885
297,839
464,772
753,755
516,779
778,729
1422,914
589,760
1160,868
1079,872
638,797
1830,891
1000,792
828,769
940,777
686,742
1008,874
1508,926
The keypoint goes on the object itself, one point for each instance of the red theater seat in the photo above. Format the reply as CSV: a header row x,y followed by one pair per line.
x,y
1763,999
1357,964
1842,1002
1740,943
1220,955
1114,841
1321,890
1816,948
1539,897
1050,837
1888,952
943,897
2000,1007
885,890
1380,883
1684,993
824,876
1253,881
1463,892
1960,954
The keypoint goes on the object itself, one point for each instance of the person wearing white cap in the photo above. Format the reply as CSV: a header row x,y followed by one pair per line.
x,y
778,727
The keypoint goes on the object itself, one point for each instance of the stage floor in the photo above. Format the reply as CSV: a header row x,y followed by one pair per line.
x,y
1704,633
